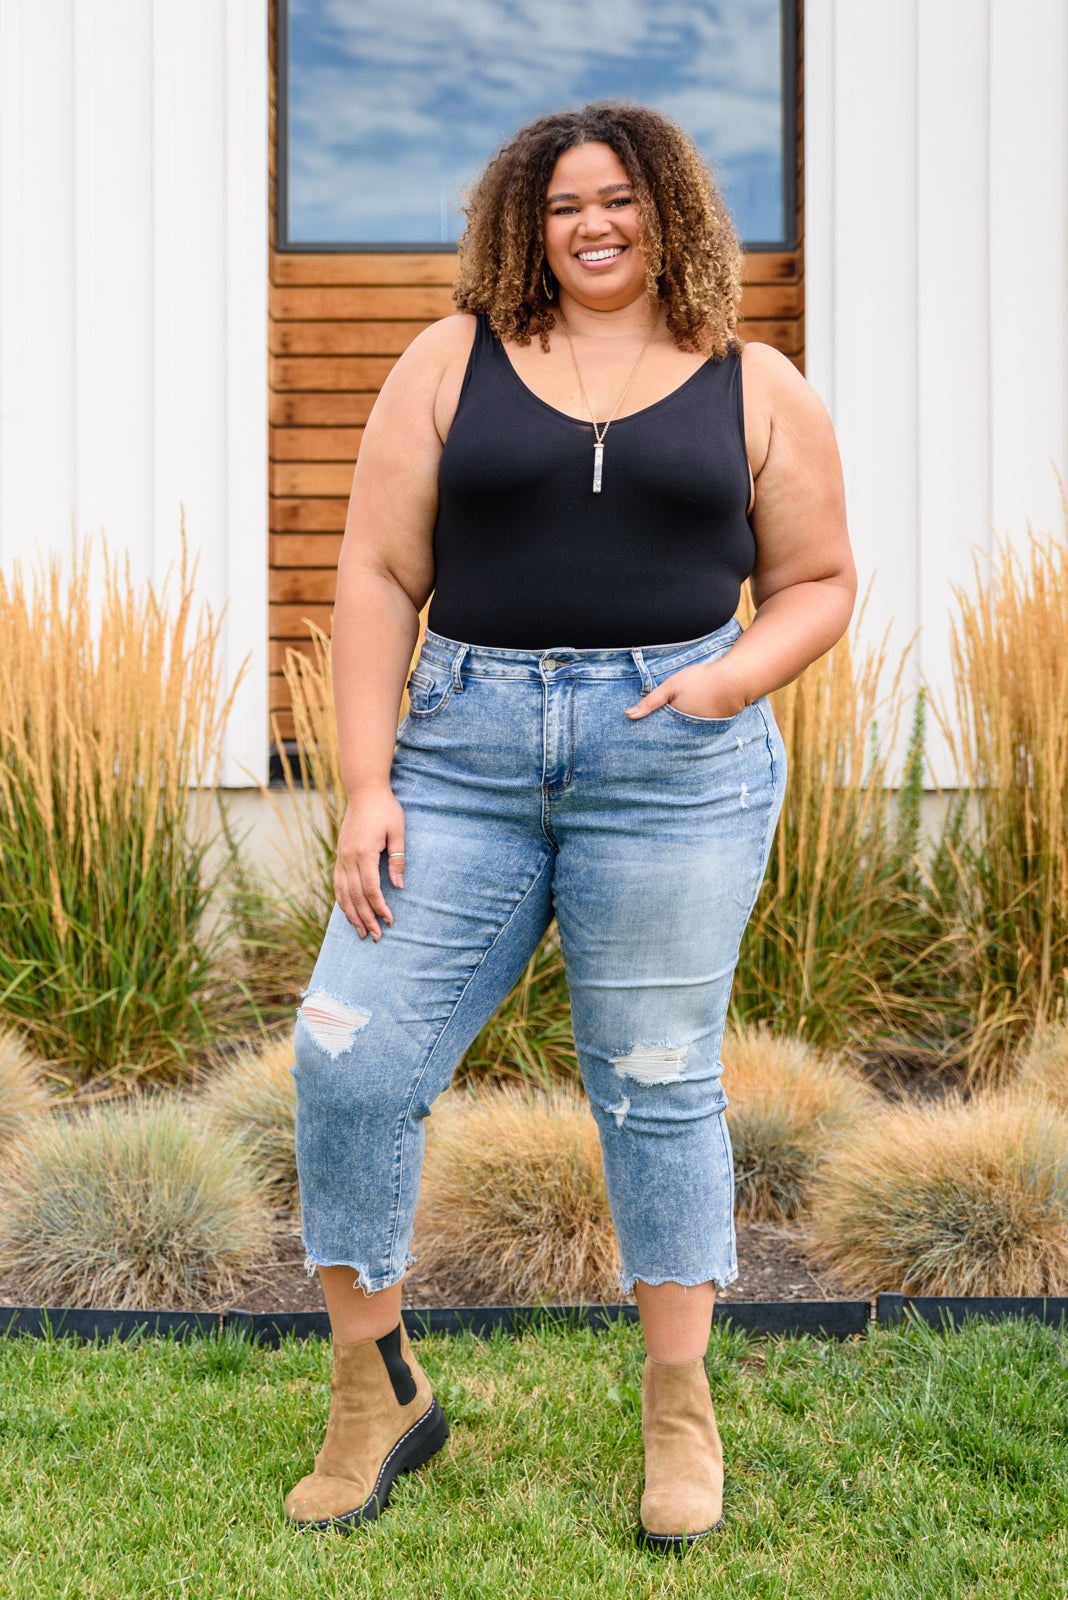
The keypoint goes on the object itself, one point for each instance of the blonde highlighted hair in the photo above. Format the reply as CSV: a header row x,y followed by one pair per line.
x,y
693,258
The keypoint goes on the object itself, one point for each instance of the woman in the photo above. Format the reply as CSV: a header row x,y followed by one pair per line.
x,y
584,465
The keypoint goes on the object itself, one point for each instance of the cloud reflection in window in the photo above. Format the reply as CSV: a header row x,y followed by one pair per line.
x,y
393,108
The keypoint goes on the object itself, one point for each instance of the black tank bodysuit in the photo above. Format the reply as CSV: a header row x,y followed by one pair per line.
x,y
528,557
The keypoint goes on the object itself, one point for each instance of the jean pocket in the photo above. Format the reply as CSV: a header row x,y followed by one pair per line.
x,y
429,691
710,724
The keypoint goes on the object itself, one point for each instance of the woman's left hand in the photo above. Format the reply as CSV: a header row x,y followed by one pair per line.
x,y
707,689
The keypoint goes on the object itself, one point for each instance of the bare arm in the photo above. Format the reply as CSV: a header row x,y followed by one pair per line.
x,y
804,583
385,574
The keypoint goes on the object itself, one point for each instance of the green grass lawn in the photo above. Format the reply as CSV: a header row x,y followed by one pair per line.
x,y
904,1464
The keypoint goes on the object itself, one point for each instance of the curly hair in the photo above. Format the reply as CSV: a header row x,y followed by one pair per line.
x,y
693,258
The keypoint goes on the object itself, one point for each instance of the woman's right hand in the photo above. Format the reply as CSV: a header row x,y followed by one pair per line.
x,y
373,822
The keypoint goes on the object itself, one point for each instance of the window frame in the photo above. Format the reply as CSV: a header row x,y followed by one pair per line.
x,y
288,246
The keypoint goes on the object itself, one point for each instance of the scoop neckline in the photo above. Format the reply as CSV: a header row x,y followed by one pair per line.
x,y
587,422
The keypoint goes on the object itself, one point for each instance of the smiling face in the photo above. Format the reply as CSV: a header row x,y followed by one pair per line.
x,y
592,229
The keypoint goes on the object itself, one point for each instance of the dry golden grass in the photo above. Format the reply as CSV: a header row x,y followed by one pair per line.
x,y
839,944
111,721
125,713
22,1091
318,755
131,1206
962,1198
1043,1068
252,1098
529,1036
1007,731
282,931
513,1198
788,1102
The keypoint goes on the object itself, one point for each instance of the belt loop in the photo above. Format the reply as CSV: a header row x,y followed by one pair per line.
x,y
646,676
457,660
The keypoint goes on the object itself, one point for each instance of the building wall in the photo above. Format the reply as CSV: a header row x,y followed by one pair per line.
x,y
937,305
134,321
133,290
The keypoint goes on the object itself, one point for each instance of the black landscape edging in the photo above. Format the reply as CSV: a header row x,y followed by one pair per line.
x,y
832,1319
949,1311
835,1319
89,1323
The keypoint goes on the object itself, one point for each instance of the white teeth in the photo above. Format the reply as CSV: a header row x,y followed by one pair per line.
x,y
600,255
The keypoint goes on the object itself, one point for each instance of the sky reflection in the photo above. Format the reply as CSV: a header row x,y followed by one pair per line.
x,y
392,109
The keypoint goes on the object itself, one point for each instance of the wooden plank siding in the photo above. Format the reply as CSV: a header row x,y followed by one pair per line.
x,y
337,324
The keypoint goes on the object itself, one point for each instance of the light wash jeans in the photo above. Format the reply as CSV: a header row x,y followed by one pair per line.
x,y
527,794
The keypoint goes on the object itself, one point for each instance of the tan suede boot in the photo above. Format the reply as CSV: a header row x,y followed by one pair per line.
x,y
384,1420
683,1499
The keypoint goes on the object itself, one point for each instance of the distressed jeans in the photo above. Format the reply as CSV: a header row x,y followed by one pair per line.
x,y
527,794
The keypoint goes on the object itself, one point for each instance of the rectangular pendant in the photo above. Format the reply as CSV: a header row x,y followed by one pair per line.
x,y
598,462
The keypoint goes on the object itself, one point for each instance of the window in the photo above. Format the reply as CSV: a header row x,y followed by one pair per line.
x,y
387,110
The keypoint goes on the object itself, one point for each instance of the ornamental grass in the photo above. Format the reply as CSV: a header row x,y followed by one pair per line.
x,y
965,1198
111,721
1043,1068
1007,731
788,1103
23,1094
841,944
281,928
529,1039
513,1205
130,1206
252,1098
285,930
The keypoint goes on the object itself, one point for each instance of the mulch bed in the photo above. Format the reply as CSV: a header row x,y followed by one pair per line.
x,y
771,1259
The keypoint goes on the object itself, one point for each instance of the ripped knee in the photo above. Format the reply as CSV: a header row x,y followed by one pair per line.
x,y
332,1024
652,1063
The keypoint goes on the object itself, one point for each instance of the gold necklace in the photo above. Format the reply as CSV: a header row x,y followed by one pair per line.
x,y
599,438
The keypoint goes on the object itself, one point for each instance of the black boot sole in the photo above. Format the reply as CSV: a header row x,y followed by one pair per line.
x,y
411,1451
674,1544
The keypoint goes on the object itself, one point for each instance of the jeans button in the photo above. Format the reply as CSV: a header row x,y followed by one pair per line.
x,y
551,665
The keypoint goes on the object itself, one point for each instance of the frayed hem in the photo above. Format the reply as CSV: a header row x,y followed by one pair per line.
x,y
363,1280
627,1282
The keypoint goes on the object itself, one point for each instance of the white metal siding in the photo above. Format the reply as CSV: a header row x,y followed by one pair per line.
x,y
133,274
936,136
133,299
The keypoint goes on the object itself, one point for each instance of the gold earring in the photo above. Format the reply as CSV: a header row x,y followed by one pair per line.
x,y
549,289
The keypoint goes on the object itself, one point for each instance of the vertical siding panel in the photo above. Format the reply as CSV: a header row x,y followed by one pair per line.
x,y
197,198
873,229
113,267
166,493
1028,255
133,296
953,402
83,157
38,286
12,226
820,145
937,140
245,422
